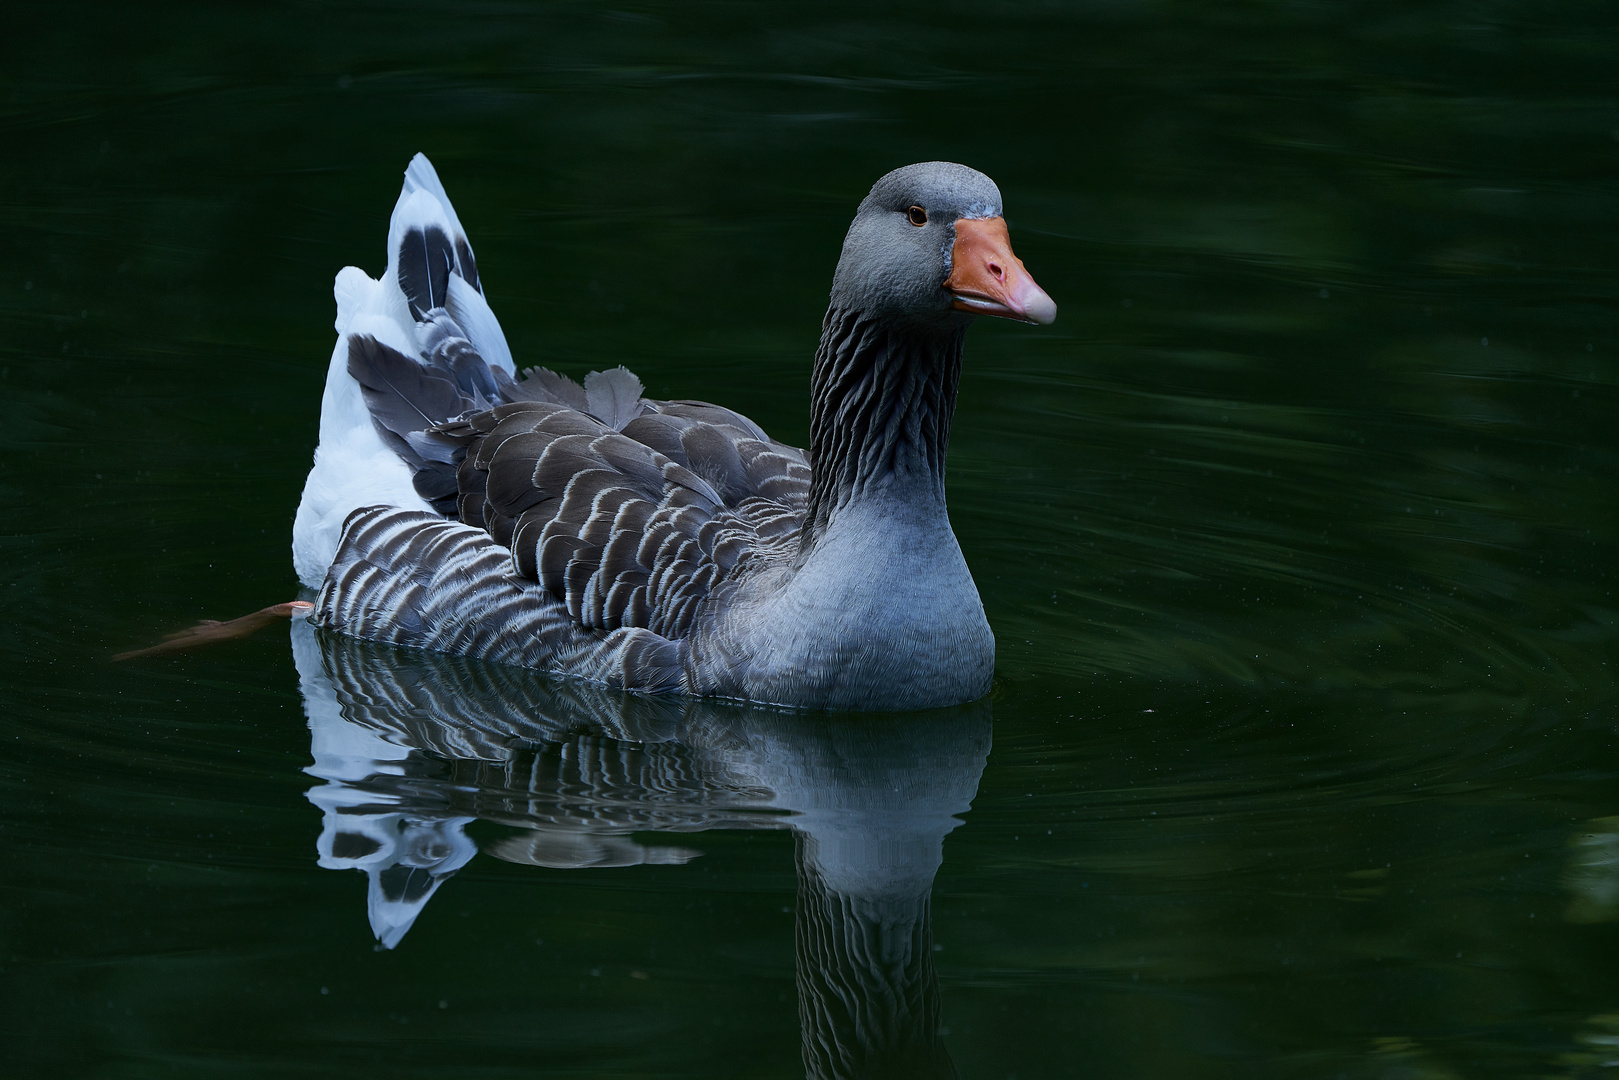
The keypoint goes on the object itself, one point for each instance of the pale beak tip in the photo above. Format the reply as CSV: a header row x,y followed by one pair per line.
x,y
1033,302
1041,310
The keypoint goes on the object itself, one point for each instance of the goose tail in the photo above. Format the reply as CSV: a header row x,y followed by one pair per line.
x,y
428,313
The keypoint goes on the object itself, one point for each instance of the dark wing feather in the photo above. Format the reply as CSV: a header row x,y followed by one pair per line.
x,y
402,395
405,399
469,265
629,512
727,450
631,528
614,397
448,350
426,258
543,384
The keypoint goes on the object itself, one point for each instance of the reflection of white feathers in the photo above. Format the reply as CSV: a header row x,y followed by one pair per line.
x,y
413,746
353,467
405,858
404,855
1593,872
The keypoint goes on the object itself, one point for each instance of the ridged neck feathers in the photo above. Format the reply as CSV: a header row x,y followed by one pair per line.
x,y
883,393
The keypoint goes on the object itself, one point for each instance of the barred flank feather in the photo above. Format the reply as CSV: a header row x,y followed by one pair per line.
x,y
408,578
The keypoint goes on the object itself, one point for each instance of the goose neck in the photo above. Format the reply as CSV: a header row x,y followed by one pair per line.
x,y
883,393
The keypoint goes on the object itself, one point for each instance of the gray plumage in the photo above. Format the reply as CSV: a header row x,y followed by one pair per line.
x,y
672,545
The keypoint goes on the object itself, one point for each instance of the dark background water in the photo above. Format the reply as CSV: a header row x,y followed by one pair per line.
x,y
1296,530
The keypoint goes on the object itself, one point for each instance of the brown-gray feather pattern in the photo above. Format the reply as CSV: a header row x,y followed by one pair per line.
x,y
628,527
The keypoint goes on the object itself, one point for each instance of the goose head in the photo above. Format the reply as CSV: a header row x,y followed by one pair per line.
x,y
929,245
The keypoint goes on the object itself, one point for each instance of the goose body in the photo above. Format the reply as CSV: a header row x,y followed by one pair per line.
x,y
664,545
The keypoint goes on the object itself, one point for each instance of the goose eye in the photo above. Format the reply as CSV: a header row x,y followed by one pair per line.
x,y
917,215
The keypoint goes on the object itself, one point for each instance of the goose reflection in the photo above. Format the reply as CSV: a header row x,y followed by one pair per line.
x,y
413,747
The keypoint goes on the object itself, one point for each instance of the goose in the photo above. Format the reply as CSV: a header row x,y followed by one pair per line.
x,y
665,546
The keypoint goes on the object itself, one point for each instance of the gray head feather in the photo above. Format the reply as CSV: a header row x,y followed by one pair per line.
x,y
891,266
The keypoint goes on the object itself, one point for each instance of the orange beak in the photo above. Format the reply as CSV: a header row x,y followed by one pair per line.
x,y
987,279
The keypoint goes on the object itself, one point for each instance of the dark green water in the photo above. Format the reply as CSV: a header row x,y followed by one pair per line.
x,y
1297,533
